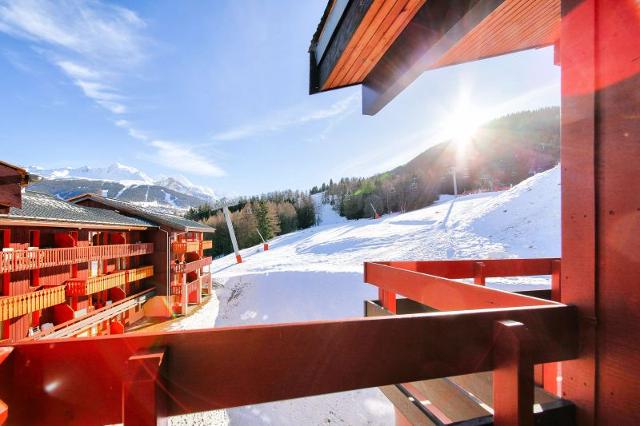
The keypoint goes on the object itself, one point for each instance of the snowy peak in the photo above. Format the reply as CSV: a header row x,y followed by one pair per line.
x,y
182,184
123,183
114,173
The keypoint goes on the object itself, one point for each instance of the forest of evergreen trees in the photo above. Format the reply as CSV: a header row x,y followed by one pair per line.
x,y
502,153
268,215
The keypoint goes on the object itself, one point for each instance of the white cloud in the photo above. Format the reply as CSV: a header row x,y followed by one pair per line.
x,y
91,28
290,118
93,43
131,130
182,158
77,71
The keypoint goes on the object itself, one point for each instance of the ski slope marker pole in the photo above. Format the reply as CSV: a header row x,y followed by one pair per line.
x,y
232,234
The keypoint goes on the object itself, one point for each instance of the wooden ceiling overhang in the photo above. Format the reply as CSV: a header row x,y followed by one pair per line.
x,y
386,44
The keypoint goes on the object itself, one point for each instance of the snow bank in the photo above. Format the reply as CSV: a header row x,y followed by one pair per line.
x,y
317,274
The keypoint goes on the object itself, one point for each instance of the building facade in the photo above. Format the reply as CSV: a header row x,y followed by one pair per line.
x,y
72,269
184,244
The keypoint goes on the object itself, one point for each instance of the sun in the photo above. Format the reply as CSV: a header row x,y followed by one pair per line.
x,y
463,123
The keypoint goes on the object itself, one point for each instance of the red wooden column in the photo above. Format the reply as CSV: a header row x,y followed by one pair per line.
x,y
479,273
512,375
552,371
143,401
34,241
6,284
600,157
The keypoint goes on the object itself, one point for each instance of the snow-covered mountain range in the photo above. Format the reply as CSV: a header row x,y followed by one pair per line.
x,y
124,183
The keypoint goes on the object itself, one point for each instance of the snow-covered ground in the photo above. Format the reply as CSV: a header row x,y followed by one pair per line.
x,y
317,274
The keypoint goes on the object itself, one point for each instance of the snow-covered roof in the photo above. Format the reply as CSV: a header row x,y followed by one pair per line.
x,y
170,220
37,206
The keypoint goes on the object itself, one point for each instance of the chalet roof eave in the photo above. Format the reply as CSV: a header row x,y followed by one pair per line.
x,y
141,212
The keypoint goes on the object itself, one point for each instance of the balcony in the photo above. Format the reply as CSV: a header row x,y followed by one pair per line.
x,y
182,247
23,260
432,287
190,266
176,289
22,304
83,287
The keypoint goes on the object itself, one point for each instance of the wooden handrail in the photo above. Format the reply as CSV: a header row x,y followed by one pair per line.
x,y
23,260
176,289
91,314
431,282
191,266
83,287
22,304
416,347
181,247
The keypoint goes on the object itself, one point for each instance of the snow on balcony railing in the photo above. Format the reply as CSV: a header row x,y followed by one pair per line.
x,y
23,260
22,304
83,287
191,266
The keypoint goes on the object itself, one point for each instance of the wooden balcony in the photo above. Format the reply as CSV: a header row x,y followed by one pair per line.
x,y
433,286
176,289
191,266
182,247
23,260
22,304
83,287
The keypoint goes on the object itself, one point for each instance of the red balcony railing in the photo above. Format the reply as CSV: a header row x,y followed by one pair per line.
x,y
206,281
182,247
22,304
433,285
83,287
176,289
489,330
23,260
191,266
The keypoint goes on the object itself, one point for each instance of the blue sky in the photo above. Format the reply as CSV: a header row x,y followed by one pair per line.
x,y
217,92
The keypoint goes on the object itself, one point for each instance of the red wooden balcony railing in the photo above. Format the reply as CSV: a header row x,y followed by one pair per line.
x,y
433,285
491,332
206,281
22,304
22,260
176,289
83,287
182,247
191,266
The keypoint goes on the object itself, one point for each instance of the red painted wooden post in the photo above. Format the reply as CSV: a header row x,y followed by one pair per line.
x,y
512,375
4,409
551,371
142,401
478,273
6,284
387,300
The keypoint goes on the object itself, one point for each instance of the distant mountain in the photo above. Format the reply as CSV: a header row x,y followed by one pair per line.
x,y
123,183
116,173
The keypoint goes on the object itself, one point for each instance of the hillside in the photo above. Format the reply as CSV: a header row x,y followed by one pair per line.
x,y
316,274
503,152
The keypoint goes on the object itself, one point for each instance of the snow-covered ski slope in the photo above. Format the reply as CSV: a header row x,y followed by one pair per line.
x,y
317,274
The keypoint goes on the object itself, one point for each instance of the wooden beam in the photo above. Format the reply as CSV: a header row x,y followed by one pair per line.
x,y
227,367
437,27
441,293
